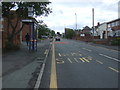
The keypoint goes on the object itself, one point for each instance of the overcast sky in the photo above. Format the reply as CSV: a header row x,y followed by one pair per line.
x,y
63,14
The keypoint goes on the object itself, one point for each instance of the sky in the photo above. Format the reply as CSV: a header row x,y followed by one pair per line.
x,y
63,13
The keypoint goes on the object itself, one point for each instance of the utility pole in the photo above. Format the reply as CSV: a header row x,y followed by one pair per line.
x,y
93,20
76,20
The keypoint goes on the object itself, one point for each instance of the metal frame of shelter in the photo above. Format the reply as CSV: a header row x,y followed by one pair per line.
x,y
33,34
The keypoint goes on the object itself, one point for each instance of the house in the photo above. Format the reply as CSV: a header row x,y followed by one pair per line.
x,y
101,30
86,31
113,28
78,32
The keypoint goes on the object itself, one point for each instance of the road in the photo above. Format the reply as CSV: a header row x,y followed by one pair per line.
x,y
79,65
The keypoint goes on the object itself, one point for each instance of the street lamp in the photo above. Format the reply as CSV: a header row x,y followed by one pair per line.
x,y
76,20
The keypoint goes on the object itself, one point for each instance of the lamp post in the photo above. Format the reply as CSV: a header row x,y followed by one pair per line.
x,y
76,20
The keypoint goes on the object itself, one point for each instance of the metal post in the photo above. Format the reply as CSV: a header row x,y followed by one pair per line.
x,y
33,36
93,21
76,20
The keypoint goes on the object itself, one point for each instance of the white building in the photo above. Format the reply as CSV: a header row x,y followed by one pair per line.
x,y
102,30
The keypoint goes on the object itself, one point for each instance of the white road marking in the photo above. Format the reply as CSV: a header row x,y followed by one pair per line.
x,y
80,54
87,49
99,61
69,60
59,54
46,51
72,54
110,57
114,69
76,60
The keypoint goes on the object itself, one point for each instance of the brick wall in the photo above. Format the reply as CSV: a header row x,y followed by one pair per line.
x,y
86,38
26,29
4,32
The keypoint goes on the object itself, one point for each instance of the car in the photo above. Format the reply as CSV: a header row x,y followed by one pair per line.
x,y
57,38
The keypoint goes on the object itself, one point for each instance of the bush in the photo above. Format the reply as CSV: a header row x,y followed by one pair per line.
x,y
115,42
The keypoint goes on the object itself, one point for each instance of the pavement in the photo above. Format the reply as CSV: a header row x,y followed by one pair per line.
x,y
20,68
112,47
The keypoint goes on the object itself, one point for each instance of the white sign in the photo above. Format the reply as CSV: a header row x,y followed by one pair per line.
x,y
30,14
30,9
82,34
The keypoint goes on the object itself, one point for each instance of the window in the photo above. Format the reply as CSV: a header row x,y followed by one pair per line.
x,y
118,23
113,24
108,25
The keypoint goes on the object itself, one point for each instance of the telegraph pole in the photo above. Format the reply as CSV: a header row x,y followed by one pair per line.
x,y
93,20
76,20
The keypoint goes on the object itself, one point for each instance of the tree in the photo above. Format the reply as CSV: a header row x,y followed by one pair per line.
x,y
44,30
53,33
21,12
69,33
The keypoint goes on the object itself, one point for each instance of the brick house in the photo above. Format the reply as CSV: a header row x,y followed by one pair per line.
x,y
86,31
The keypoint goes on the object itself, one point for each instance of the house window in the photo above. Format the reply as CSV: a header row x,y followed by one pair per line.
x,y
108,25
113,24
118,23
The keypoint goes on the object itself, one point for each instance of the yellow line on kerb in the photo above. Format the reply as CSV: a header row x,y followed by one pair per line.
x,y
86,60
53,78
81,59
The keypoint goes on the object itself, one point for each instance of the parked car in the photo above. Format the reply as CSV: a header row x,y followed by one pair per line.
x,y
57,38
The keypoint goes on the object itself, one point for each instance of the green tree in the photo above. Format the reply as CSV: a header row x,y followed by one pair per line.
x,y
53,33
21,12
44,30
70,33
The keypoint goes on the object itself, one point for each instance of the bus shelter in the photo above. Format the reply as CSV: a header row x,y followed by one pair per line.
x,y
32,46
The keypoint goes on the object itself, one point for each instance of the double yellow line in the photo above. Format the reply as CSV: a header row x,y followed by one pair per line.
x,y
84,59
53,78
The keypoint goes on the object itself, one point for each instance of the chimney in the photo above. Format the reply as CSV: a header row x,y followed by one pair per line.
x,y
98,23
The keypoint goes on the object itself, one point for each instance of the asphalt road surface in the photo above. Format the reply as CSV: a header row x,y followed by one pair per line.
x,y
79,65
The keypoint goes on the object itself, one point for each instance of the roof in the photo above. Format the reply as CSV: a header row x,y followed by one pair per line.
x,y
30,20
113,20
86,28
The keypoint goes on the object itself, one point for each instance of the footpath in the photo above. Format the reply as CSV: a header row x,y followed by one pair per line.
x,y
116,48
20,68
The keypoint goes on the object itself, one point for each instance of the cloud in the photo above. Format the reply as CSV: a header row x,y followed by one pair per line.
x,y
64,13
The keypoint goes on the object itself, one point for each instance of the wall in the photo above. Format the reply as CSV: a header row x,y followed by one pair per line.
x,y
26,29
101,29
4,32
